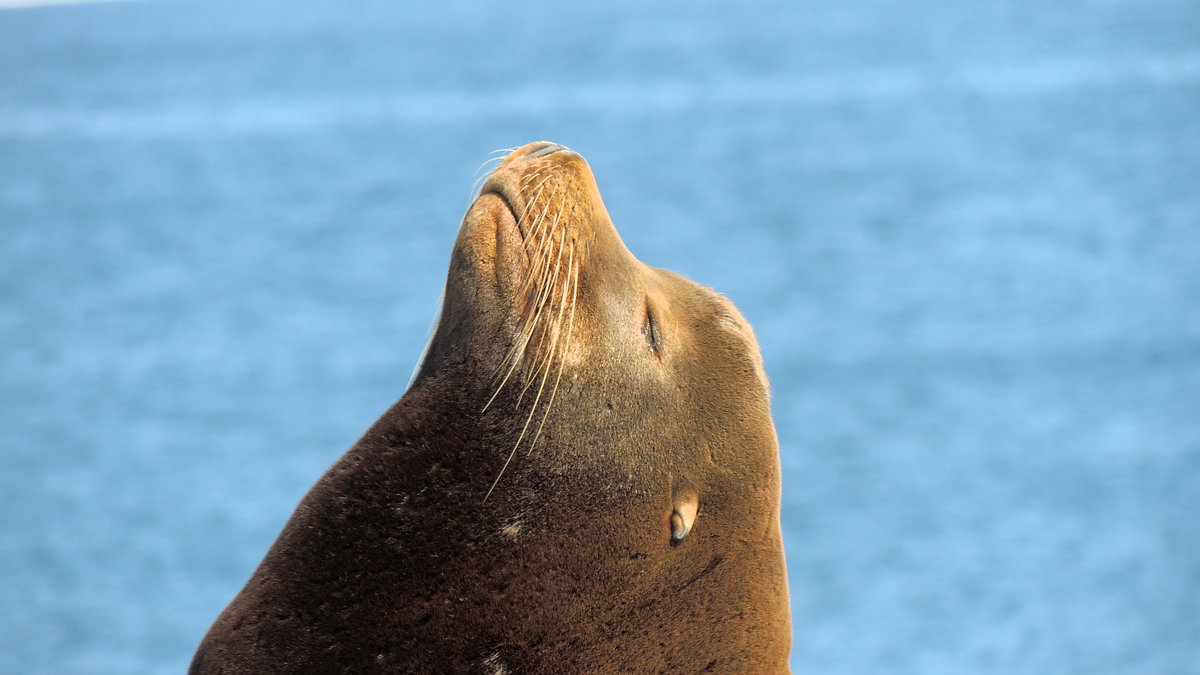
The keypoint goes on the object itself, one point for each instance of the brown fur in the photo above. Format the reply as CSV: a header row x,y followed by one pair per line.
x,y
426,549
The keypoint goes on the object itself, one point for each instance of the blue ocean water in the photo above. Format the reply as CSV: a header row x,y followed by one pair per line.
x,y
967,234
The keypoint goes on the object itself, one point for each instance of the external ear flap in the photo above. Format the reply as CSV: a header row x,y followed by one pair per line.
x,y
650,330
684,515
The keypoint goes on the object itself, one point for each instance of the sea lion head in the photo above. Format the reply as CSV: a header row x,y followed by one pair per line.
x,y
553,314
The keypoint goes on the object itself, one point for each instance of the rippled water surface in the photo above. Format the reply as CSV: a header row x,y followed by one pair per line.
x,y
968,236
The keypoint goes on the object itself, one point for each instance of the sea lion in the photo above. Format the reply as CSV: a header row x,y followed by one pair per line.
x,y
582,477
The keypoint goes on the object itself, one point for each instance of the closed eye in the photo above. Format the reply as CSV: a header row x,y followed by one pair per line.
x,y
650,330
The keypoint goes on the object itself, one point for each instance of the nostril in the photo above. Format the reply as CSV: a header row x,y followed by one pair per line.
x,y
545,148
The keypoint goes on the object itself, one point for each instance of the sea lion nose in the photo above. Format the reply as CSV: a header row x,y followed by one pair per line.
x,y
543,148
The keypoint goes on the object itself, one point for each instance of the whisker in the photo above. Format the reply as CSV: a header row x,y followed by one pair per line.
x,y
562,360
536,399
519,346
539,263
477,185
542,243
551,287
520,437
543,298
492,160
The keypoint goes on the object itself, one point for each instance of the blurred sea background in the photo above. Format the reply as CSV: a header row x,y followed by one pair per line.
x,y
967,234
